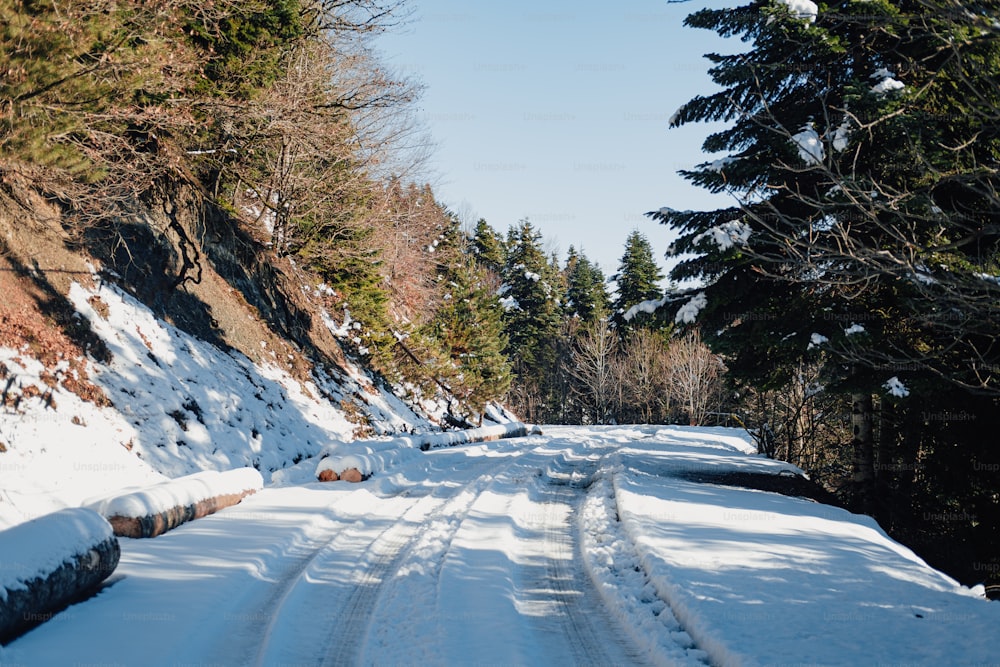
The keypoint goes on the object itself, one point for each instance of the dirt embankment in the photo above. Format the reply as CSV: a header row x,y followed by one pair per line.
x,y
196,266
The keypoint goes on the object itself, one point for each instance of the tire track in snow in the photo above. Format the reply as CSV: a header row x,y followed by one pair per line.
x,y
346,642
257,621
418,583
336,629
315,621
584,618
615,568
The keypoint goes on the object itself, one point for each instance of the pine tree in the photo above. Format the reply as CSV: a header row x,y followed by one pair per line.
x,y
638,280
469,324
533,316
488,247
586,290
865,231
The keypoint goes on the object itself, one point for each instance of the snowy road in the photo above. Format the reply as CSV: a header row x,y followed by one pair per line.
x,y
578,547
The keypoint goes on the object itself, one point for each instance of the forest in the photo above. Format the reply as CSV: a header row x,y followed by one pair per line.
x,y
844,308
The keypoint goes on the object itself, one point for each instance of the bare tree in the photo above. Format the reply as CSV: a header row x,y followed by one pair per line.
x,y
800,422
694,377
593,369
642,378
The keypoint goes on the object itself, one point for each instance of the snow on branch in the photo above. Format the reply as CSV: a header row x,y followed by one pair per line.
x,y
727,234
688,313
887,82
650,306
805,10
895,387
809,145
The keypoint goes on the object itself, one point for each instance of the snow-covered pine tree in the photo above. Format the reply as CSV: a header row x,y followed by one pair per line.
x,y
638,280
488,247
468,324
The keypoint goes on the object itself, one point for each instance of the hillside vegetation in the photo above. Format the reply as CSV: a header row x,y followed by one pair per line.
x,y
238,167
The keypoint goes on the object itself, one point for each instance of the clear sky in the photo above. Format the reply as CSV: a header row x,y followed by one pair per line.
x,y
557,112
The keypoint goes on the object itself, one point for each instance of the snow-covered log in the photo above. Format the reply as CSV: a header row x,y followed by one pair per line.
x,y
50,561
369,456
155,510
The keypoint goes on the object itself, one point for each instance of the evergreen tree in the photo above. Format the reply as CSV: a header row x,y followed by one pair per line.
x,y
531,298
469,325
488,247
586,290
638,280
865,231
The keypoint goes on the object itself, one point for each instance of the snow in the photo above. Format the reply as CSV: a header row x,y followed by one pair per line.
x,y
688,313
36,548
989,277
727,235
181,492
371,456
509,303
816,339
582,545
854,329
802,9
649,306
579,545
825,224
181,406
751,575
809,145
720,164
39,473
887,85
887,82
842,135
896,388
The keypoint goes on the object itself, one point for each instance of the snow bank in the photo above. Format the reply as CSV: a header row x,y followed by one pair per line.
x,y
62,450
616,572
193,406
154,510
50,560
748,573
371,456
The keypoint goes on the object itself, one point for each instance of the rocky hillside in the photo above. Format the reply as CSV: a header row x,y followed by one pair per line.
x,y
174,336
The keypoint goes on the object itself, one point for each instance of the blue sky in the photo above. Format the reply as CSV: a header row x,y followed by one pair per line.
x,y
557,112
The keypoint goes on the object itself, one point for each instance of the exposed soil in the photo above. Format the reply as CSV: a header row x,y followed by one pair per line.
x,y
197,268
40,323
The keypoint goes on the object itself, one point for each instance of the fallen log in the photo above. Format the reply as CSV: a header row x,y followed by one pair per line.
x,y
162,507
48,563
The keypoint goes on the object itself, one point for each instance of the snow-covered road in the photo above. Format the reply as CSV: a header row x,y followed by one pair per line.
x,y
583,546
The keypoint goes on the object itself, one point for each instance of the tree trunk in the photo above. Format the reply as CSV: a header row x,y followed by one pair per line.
x,y
863,450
